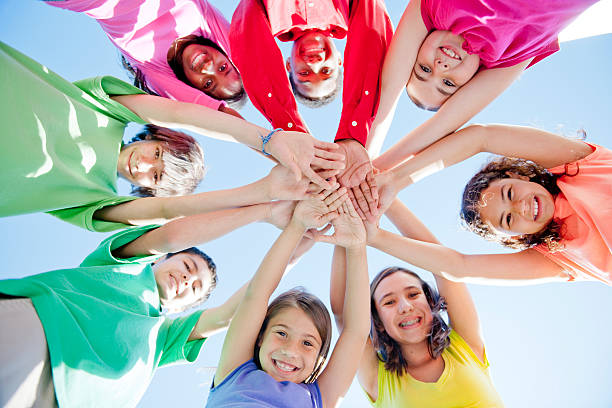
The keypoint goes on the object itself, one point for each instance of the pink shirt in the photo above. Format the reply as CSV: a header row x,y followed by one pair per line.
x,y
144,31
504,32
584,211
368,30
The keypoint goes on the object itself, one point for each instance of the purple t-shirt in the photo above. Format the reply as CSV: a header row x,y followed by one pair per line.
x,y
504,32
144,31
248,386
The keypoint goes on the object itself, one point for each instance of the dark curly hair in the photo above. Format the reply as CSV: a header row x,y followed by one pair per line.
x,y
388,350
316,102
498,169
311,305
183,163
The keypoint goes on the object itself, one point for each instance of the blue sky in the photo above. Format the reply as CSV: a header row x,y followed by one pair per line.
x,y
548,344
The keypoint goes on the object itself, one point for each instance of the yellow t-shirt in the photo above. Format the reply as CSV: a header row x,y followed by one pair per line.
x,y
465,382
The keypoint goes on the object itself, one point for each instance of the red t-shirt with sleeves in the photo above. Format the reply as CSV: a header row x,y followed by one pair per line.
x,y
583,208
256,24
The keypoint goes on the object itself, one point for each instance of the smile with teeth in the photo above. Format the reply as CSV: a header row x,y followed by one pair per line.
x,y
284,367
536,208
449,52
198,62
409,323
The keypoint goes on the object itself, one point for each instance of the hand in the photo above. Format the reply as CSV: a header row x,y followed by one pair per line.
x,y
319,208
280,213
299,151
349,231
362,199
280,184
357,163
371,228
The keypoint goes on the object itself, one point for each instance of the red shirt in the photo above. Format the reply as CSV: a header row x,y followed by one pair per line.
x,y
368,28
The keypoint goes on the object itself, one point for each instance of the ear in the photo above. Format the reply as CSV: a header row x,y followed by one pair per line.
x,y
339,60
514,175
288,65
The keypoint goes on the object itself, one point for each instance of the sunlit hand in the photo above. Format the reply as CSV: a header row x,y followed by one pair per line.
x,y
357,163
349,231
319,208
299,151
280,213
280,184
362,197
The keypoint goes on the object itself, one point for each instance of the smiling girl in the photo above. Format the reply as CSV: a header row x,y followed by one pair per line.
x,y
413,358
553,203
177,49
456,57
273,355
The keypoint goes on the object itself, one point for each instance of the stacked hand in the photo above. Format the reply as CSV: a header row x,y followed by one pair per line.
x,y
349,231
300,153
318,209
357,166
363,199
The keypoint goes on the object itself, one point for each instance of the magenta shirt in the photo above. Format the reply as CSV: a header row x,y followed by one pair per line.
x,y
504,32
144,31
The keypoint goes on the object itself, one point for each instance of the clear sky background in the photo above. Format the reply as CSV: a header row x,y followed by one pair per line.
x,y
549,345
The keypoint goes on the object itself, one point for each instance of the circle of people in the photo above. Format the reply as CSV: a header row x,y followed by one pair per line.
x,y
89,335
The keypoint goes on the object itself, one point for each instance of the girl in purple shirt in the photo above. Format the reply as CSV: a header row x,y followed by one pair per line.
x,y
273,355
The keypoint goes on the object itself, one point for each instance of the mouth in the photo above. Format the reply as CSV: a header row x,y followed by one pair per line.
x,y
174,282
197,61
536,208
451,53
410,323
283,367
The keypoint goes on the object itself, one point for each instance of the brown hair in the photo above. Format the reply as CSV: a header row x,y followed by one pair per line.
x,y
311,305
388,350
499,169
183,163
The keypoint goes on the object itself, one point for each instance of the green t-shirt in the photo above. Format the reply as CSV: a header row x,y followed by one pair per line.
x,y
62,142
103,326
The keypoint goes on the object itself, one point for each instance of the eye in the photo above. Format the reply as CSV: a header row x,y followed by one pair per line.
x,y
207,84
389,302
223,67
187,266
448,83
413,295
308,344
326,70
281,333
510,193
508,220
425,69
157,153
156,177
303,73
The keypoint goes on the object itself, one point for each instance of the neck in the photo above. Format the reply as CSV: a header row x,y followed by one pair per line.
x,y
416,355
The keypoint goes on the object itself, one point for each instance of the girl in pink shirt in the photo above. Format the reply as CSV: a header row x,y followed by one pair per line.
x,y
455,57
177,49
554,204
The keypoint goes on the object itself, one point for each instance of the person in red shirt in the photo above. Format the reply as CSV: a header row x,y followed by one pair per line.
x,y
315,65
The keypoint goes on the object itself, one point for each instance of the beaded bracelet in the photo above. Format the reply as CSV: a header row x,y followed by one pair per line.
x,y
266,139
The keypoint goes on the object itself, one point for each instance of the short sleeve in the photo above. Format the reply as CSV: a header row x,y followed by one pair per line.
x,y
103,254
177,348
83,215
461,347
98,92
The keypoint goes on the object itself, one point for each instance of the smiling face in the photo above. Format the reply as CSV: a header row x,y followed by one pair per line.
x,y
290,346
516,206
210,71
315,64
141,162
182,280
403,308
441,68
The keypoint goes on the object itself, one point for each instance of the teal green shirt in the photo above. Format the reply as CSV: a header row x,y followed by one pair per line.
x,y
103,326
61,142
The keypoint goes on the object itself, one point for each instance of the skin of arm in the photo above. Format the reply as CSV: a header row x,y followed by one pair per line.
x,y
485,86
279,184
243,330
295,150
400,59
349,233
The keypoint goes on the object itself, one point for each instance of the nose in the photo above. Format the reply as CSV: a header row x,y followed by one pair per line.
x,y
521,207
404,306
208,67
442,65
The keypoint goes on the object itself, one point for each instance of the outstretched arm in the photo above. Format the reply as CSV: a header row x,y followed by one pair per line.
x,y
242,333
456,111
338,375
400,59
295,150
279,184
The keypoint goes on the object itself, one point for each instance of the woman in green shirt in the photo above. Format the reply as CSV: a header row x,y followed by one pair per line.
x,y
68,152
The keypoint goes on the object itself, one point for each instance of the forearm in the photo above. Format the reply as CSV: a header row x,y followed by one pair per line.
x,y
196,118
194,230
337,286
452,149
217,318
356,312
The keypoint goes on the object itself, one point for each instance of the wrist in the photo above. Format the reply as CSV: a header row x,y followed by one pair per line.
x,y
296,225
356,248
